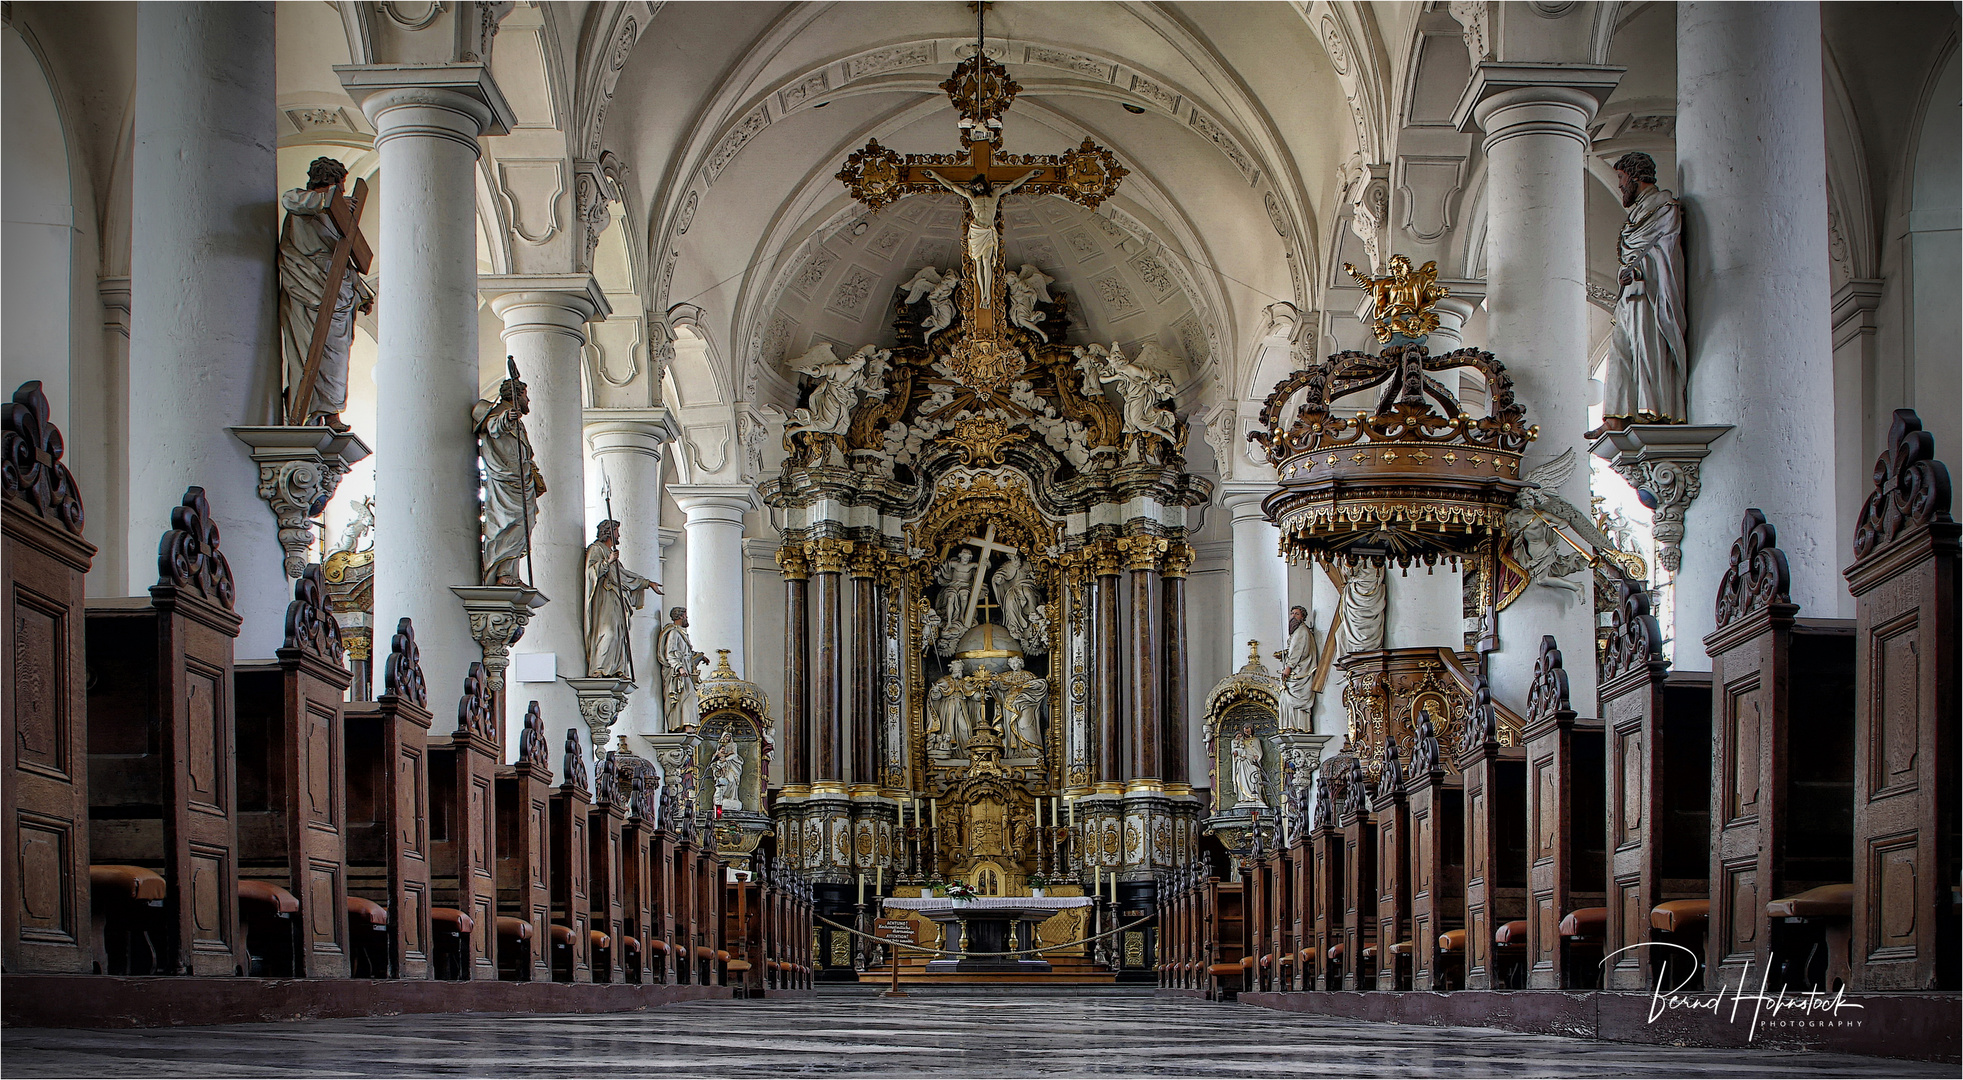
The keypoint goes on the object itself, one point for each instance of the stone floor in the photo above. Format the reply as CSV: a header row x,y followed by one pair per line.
x,y
1002,1034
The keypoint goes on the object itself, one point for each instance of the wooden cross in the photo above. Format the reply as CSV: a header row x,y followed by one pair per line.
x,y
989,547
352,248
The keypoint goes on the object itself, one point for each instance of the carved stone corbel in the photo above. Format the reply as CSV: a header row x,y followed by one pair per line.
x,y
600,704
1665,461
498,616
299,470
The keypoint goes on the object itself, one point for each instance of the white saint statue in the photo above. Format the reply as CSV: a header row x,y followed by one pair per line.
x,y
1649,369
957,579
948,723
613,593
983,199
1024,697
1534,542
727,767
920,285
840,384
307,241
1015,590
1366,601
1038,282
512,482
1298,662
940,305
1250,785
1022,307
1140,388
678,660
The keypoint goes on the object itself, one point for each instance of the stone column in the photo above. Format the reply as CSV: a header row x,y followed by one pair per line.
x,y
1535,119
859,728
828,666
545,321
1260,574
1108,667
715,564
796,749
427,121
1751,149
203,331
626,446
1147,679
1177,774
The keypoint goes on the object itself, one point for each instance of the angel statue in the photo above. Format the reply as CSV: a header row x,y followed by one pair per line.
x,y
983,199
1141,389
940,305
1534,541
922,283
1022,306
1401,303
839,386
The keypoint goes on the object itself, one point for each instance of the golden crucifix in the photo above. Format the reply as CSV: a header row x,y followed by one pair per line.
x,y
981,91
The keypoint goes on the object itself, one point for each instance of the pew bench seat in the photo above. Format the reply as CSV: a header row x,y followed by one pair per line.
x,y
1830,909
266,910
1511,935
451,928
126,908
1586,924
1402,948
1452,942
1680,916
368,928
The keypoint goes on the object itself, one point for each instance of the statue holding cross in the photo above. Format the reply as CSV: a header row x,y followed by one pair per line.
x,y
322,256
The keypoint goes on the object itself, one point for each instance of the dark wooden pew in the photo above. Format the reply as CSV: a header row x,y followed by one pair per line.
x,y
463,836
161,785
1393,884
524,854
573,945
1566,830
1359,900
45,785
1905,584
1224,941
388,800
1301,868
291,778
1782,797
646,952
606,866
1657,727
1495,850
1436,804
1320,968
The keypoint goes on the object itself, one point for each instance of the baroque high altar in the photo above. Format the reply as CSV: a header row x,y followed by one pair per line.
x,y
984,566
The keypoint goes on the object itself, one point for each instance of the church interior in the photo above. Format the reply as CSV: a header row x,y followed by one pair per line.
x,y
1424,530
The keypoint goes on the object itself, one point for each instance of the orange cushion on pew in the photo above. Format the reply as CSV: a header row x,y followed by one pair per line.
x,y
1452,941
1402,948
1336,951
703,952
254,891
630,943
1680,916
133,882
364,910
513,929
1221,971
1369,953
561,935
1247,962
1268,960
1588,923
599,939
1512,935
1307,955
722,956
1825,902
657,945
449,918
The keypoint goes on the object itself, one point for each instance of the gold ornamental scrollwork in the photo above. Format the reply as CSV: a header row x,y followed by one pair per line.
x,y
984,362
983,438
828,554
1143,551
792,562
872,174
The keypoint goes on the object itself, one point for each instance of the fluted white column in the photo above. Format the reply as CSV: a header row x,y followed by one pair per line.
x,y
626,445
545,321
427,122
1260,575
1751,148
203,332
715,564
1535,122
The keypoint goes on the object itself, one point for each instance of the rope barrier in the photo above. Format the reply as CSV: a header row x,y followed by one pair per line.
x,y
888,942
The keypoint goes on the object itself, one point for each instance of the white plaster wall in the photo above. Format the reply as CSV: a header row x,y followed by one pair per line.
x,y
35,197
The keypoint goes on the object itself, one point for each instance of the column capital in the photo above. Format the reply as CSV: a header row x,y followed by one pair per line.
x,y
548,299
630,431
387,93
711,502
1243,498
1503,100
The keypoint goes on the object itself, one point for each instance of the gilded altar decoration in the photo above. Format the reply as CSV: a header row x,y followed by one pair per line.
x,y
730,754
1401,302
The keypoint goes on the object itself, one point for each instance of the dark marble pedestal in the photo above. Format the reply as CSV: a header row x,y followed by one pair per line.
x,y
988,924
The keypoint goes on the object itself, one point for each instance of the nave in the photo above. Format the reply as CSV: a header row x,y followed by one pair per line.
x,y
852,1033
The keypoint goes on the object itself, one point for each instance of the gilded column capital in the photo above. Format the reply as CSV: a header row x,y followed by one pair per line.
x,y
863,560
792,563
1106,558
1179,559
827,554
1143,552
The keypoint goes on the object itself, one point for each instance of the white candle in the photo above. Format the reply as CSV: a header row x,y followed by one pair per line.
x,y
879,881
1098,881
1039,811
1053,813
862,888
934,809
1073,812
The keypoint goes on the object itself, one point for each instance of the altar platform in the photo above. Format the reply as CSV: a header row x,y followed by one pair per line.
x,y
988,922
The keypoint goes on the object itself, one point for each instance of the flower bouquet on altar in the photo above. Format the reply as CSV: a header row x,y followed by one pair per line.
x,y
1037,883
961,893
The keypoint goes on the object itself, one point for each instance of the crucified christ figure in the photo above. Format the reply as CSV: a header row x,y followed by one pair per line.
x,y
983,199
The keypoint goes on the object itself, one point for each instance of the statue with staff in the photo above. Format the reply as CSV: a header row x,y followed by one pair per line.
x,y
613,593
512,482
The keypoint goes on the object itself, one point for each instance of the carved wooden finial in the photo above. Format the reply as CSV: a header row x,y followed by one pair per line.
x,y
575,759
402,675
474,708
1757,577
1547,699
1635,638
1390,779
310,624
188,556
1424,746
31,472
532,748
1911,488
1481,719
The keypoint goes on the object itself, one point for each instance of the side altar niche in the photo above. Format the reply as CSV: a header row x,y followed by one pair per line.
x,y
968,507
